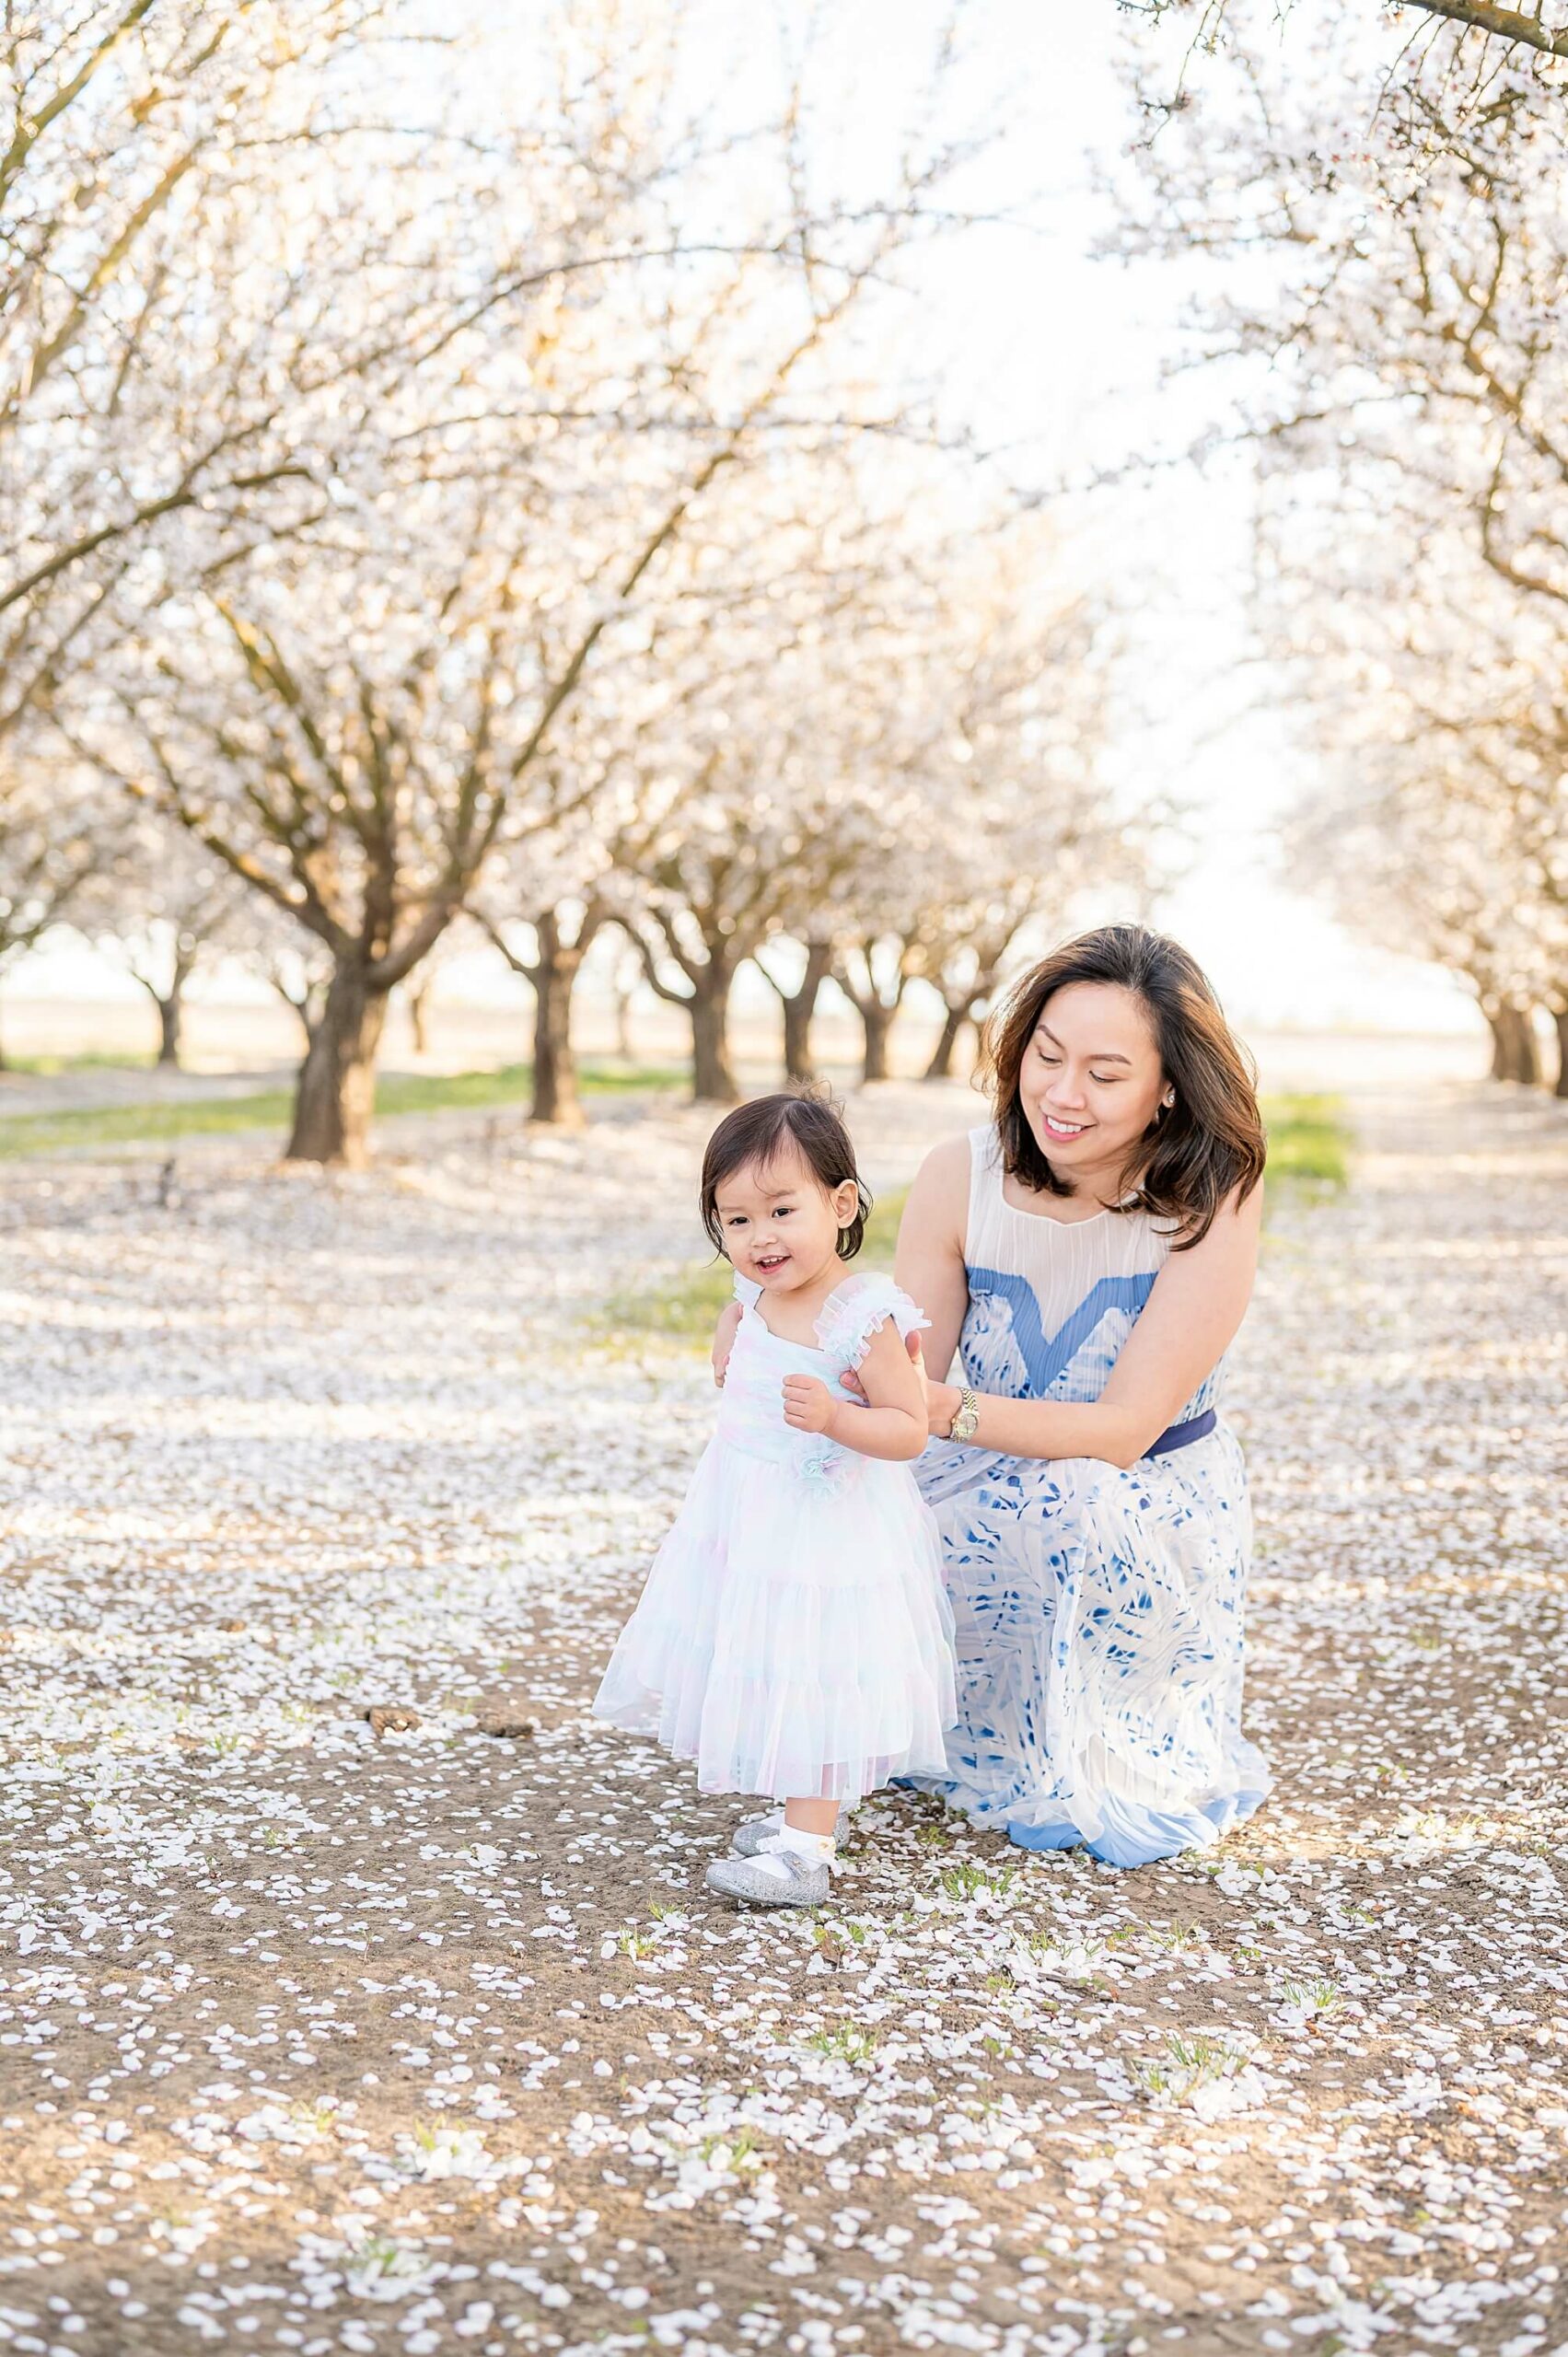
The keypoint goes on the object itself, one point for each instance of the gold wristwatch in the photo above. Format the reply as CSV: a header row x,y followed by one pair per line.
x,y
966,1417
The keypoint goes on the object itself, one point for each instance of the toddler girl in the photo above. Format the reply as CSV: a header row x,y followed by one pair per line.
x,y
793,1637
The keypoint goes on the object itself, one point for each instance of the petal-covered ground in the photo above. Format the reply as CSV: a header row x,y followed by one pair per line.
x,y
358,1992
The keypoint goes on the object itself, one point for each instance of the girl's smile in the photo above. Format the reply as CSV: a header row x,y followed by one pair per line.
x,y
780,1225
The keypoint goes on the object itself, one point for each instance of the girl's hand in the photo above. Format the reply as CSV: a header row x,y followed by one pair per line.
x,y
807,1403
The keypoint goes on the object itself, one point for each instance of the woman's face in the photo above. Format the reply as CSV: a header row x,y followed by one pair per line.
x,y
1090,1082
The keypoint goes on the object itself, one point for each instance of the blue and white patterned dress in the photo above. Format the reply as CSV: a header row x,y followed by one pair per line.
x,y
1098,1609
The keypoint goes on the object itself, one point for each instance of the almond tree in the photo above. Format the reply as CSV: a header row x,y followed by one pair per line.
x,y
1435,709
1440,727
1412,470
542,908
1470,36
895,788
1404,288
168,909
58,839
358,719
710,868
766,799
797,993
134,135
995,729
420,990
1420,873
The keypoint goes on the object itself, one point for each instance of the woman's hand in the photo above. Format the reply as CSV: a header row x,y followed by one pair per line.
x,y
941,1401
723,1339
807,1403
851,1381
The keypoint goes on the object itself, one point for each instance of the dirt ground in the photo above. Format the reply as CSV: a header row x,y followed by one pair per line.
x,y
416,2032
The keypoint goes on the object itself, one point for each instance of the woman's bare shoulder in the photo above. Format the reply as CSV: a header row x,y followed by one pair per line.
x,y
949,1160
942,1181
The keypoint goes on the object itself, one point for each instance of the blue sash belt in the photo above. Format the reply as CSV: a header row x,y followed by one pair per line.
x,y
1183,1436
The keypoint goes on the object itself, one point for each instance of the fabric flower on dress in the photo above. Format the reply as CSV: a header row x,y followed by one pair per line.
x,y
826,1469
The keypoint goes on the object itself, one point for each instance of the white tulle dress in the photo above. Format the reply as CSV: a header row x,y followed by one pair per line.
x,y
793,1637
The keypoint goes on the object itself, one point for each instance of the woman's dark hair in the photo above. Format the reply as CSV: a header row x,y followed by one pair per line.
x,y
1210,1143
762,1129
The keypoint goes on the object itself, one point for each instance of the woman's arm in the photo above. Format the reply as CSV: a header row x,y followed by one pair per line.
x,y
1190,1320
723,1338
891,1425
930,1260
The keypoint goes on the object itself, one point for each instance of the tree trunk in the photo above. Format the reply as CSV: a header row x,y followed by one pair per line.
x,y
419,1015
554,1060
713,1078
624,1045
169,1011
877,1020
336,1092
941,1065
1561,1020
301,1008
798,1062
1516,1053
170,1005
799,1007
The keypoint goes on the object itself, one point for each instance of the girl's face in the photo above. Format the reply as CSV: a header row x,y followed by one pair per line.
x,y
779,1222
1091,1083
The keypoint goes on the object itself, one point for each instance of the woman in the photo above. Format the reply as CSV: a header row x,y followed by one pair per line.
x,y
1090,1252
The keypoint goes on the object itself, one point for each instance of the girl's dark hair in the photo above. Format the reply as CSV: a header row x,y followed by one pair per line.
x,y
1209,1144
760,1131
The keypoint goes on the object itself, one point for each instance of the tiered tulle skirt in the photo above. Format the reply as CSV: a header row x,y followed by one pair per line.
x,y
794,1638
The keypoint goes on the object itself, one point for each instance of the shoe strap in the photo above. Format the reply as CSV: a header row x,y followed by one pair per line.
x,y
811,1848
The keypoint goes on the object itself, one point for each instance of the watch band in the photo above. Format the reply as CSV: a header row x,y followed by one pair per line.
x,y
966,1417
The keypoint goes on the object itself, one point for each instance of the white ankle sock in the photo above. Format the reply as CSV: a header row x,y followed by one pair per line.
x,y
817,1849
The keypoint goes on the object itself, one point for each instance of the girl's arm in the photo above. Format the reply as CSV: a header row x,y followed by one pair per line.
x,y
894,1424
930,1260
1189,1322
723,1338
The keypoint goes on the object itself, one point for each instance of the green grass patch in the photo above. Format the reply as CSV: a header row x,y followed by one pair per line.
x,y
1308,1141
685,1308
112,1125
269,1109
447,1092
46,1067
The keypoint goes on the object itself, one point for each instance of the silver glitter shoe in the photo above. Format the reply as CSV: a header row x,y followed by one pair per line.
x,y
782,1878
757,1832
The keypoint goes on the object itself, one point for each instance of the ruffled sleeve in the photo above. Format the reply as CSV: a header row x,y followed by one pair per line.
x,y
748,1292
853,1311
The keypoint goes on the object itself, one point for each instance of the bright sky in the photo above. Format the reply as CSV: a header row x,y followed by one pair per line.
x,y
1058,356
